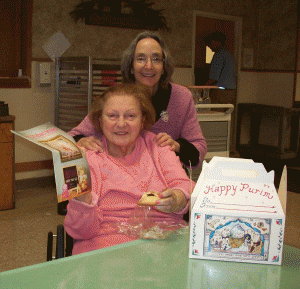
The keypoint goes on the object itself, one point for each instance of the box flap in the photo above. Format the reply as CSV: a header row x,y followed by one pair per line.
x,y
229,171
217,159
282,191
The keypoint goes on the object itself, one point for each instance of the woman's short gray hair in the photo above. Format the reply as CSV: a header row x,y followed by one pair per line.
x,y
128,57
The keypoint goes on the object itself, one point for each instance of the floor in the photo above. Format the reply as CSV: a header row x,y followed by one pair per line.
x,y
24,230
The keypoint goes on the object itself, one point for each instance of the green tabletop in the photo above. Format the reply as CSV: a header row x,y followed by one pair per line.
x,y
153,264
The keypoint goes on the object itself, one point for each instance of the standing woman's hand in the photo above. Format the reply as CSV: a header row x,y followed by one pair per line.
x,y
90,143
163,139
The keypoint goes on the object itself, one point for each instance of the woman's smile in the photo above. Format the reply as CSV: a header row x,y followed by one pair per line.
x,y
148,74
121,132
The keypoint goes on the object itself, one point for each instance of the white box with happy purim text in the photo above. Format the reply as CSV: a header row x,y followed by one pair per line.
x,y
236,213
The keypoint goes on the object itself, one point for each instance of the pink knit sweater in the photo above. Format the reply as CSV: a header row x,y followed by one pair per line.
x,y
117,185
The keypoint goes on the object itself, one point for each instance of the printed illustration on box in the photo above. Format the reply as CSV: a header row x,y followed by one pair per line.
x,y
245,238
68,150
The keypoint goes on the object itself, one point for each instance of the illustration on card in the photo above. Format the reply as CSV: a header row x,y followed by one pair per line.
x,y
68,150
237,237
75,182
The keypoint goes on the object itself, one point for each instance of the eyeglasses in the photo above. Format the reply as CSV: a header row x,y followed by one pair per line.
x,y
154,59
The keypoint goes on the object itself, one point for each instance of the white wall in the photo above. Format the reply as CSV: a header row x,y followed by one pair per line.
x,y
183,76
270,88
31,107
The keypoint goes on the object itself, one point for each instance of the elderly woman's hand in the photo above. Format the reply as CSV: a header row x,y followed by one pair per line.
x,y
171,201
90,143
163,139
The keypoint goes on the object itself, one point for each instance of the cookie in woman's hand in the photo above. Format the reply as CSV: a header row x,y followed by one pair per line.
x,y
149,199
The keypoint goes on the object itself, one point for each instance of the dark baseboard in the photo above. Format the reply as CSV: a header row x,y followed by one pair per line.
x,y
34,182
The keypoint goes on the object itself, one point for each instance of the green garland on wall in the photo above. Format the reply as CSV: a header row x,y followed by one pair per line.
x,y
128,13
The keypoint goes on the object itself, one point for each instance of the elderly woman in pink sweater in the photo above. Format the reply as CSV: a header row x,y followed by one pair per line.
x,y
131,163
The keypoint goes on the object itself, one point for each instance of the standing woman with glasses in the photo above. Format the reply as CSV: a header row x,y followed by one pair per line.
x,y
147,61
